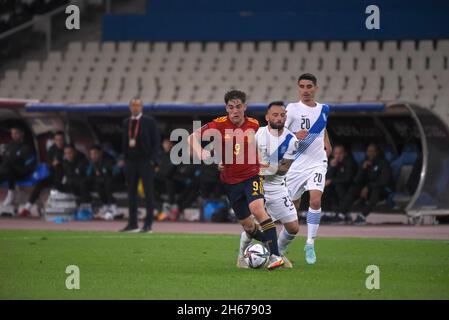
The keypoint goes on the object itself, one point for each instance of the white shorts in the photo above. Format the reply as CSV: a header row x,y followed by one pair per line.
x,y
300,182
280,207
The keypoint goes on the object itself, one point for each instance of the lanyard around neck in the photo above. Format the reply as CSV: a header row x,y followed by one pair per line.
x,y
136,129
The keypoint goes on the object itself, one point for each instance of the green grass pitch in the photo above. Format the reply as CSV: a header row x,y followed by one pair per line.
x,y
189,266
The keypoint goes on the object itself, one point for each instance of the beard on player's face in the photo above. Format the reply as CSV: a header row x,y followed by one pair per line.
x,y
278,125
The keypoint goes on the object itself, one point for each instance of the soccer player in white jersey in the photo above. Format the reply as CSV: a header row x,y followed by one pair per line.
x,y
307,119
276,147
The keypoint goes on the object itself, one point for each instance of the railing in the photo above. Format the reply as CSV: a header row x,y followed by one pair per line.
x,y
46,18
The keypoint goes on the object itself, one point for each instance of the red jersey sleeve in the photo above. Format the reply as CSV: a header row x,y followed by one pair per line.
x,y
209,125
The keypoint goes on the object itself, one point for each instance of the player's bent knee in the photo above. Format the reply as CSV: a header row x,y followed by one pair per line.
x,y
315,204
292,228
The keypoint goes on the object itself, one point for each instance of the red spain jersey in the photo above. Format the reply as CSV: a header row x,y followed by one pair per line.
x,y
242,164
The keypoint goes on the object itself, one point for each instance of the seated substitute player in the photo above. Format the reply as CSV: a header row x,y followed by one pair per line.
x,y
17,163
99,178
240,175
55,157
307,119
277,147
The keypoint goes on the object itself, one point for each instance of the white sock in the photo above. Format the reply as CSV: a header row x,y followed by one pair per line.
x,y
113,208
284,240
104,209
245,240
313,222
9,198
28,206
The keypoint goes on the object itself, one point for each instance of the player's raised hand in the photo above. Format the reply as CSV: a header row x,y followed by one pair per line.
x,y
366,164
302,134
220,166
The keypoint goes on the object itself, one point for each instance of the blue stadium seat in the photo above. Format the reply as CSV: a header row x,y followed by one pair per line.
x,y
443,181
389,154
408,156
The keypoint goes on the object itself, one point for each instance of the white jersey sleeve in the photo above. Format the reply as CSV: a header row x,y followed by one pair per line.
x,y
264,152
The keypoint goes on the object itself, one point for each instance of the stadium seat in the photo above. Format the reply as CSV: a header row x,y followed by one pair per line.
x,y
408,156
443,47
354,47
336,46
160,47
408,46
142,47
300,47
283,47
318,47
390,47
372,47
426,47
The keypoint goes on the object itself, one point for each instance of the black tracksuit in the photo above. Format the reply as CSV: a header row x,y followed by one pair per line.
x,y
18,163
164,178
341,176
54,153
379,180
100,179
71,178
139,162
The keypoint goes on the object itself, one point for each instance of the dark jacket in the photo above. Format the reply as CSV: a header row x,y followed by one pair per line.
x,y
74,171
54,153
343,173
19,156
99,170
148,140
378,175
166,168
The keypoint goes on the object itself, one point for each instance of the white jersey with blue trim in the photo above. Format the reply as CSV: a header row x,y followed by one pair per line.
x,y
311,152
273,149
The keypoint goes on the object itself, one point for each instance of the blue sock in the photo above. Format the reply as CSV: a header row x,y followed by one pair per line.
x,y
313,222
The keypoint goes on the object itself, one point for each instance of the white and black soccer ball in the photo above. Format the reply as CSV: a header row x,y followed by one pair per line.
x,y
256,255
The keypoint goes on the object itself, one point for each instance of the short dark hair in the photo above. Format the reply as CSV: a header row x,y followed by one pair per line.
x,y
59,133
235,94
95,147
70,146
275,103
136,99
17,128
340,145
308,76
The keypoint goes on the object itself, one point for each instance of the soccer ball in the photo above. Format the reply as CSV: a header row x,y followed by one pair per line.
x,y
256,255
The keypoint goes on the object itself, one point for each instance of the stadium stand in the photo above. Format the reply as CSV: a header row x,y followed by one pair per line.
x,y
14,13
409,71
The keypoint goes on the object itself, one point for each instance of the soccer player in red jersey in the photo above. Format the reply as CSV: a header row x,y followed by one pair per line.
x,y
239,171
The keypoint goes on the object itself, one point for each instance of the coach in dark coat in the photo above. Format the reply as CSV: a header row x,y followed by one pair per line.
x,y
141,148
